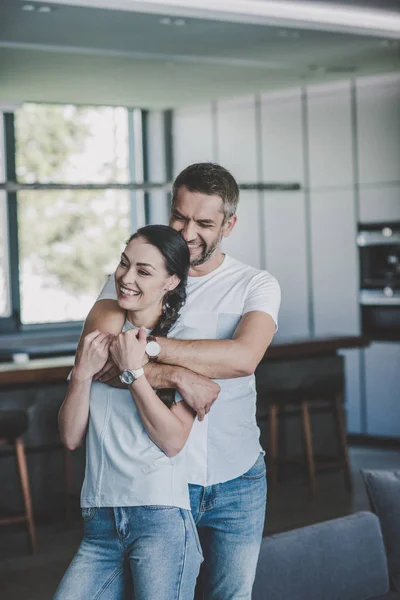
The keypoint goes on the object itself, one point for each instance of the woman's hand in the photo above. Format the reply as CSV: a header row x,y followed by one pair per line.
x,y
128,350
92,354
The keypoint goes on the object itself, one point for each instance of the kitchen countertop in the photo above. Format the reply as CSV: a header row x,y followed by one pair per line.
x,y
51,370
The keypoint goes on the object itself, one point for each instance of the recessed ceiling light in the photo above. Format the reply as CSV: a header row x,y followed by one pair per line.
x,y
389,43
28,7
289,33
180,22
317,68
165,21
45,9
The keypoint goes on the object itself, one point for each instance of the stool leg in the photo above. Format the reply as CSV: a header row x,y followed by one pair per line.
x,y
341,430
273,445
308,444
68,484
23,475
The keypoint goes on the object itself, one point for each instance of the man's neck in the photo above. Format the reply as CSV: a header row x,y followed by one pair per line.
x,y
210,265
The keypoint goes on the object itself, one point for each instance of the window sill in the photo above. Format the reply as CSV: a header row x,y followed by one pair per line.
x,y
41,342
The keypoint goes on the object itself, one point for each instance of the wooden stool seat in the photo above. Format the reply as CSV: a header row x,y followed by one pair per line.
x,y
13,424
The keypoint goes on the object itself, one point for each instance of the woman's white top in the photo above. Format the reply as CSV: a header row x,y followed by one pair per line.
x,y
124,467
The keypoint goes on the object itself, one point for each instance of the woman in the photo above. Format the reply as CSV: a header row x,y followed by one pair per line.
x,y
135,500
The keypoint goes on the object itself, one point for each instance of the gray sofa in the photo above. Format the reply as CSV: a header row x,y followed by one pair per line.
x,y
342,559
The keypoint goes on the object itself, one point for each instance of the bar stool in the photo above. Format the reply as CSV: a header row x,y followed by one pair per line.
x,y
13,424
320,391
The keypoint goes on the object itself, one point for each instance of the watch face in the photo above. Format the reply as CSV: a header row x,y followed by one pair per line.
x,y
127,377
153,348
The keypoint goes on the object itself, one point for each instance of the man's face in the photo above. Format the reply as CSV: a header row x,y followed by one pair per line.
x,y
200,220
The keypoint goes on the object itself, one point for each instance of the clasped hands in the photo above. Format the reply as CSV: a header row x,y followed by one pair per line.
x,y
102,357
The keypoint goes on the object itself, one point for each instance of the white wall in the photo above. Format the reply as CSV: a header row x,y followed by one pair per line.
x,y
341,142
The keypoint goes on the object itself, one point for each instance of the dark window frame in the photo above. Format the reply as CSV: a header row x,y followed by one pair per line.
x,y
12,326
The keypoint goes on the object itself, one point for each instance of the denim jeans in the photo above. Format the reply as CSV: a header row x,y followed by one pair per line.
x,y
230,520
155,547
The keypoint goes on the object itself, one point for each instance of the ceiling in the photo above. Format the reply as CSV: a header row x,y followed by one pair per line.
x,y
101,56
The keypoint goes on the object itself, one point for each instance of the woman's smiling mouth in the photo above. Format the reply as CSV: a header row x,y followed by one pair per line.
x,y
127,292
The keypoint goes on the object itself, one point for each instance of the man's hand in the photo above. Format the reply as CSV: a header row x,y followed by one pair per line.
x,y
198,392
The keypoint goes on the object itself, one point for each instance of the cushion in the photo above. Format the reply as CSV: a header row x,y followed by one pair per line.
x,y
383,489
342,559
13,423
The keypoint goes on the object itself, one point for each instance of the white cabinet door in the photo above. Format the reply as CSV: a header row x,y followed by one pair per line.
x,y
285,257
334,263
192,130
353,392
382,370
236,141
282,137
378,127
244,241
380,204
330,136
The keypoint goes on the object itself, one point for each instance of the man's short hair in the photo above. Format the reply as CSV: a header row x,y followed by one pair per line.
x,y
211,179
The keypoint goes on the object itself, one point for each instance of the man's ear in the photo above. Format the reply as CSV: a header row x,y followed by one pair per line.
x,y
229,225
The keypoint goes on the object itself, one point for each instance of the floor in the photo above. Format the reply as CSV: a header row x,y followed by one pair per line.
x,y
26,577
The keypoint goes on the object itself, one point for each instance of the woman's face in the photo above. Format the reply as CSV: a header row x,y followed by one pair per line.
x,y
141,278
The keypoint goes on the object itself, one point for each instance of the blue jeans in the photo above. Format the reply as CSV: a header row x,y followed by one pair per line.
x,y
230,521
155,547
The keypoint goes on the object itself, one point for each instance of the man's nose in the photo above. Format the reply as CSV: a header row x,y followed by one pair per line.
x,y
189,231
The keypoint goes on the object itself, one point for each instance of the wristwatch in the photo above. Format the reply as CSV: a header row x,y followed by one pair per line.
x,y
129,376
153,348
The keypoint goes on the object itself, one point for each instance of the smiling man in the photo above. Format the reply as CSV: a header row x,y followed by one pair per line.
x,y
225,327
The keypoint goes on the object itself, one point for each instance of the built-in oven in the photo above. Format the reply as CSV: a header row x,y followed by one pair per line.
x,y
379,254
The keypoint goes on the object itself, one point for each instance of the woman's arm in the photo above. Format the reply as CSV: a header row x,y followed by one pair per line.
x,y
168,428
73,416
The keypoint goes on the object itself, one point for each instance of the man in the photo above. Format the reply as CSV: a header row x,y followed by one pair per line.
x,y
225,327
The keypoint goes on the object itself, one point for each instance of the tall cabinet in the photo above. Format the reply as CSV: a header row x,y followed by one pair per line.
x,y
378,146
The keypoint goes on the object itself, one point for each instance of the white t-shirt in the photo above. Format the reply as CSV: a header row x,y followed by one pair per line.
x,y
226,443
124,467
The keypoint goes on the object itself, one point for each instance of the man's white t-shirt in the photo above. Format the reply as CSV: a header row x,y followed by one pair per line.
x,y
226,443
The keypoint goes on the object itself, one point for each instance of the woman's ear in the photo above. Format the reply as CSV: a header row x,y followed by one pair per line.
x,y
172,283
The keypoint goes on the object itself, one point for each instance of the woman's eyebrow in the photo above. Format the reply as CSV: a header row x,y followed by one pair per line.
x,y
140,264
123,255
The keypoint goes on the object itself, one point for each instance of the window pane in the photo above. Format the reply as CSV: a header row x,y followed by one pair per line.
x,y
5,309
71,144
69,242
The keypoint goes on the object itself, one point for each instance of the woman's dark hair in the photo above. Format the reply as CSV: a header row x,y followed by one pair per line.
x,y
176,256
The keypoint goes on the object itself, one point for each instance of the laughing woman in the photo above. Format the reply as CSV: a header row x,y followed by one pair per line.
x,y
135,500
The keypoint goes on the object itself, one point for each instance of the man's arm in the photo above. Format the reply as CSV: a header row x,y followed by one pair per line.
x,y
223,359
198,392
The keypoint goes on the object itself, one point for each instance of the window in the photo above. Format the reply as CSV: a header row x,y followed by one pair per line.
x,y
69,242
64,223
71,144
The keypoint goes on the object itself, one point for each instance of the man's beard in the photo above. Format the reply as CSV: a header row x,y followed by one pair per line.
x,y
207,252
